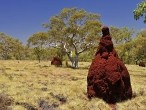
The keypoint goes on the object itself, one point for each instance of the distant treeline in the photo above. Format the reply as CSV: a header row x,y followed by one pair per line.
x,y
74,35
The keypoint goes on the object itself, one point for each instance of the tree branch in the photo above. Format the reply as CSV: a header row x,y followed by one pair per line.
x,y
86,48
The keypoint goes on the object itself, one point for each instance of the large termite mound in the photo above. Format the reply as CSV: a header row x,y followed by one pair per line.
x,y
108,77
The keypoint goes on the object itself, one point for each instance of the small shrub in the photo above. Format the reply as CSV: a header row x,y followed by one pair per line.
x,y
5,101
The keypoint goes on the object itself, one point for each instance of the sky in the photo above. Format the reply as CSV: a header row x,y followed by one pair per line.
x,y
22,18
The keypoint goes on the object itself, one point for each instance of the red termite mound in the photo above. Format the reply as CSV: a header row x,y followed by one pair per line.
x,y
56,61
108,78
142,64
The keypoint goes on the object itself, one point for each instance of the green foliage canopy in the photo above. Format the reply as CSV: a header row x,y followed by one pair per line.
x,y
38,42
140,11
10,47
74,30
121,35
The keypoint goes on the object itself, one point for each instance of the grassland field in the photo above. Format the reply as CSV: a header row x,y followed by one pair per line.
x,y
29,82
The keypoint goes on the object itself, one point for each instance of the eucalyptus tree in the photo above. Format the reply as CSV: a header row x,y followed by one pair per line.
x,y
9,46
140,11
18,50
122,38
38,42
121,35
139,50
75,31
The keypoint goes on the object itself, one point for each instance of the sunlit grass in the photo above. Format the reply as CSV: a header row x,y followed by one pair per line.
x,y
30,82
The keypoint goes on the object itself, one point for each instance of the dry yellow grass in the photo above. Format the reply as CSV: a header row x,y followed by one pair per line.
x,y
30,81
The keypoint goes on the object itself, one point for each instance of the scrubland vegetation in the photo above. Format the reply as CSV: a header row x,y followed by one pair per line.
x,y
74,34
25,84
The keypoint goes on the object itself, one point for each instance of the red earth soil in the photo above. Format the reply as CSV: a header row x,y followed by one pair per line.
x,y
108,77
